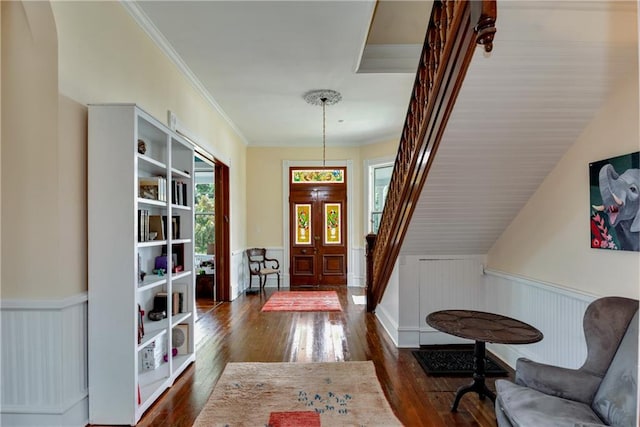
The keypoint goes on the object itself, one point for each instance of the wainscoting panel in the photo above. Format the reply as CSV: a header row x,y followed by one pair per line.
x,y
554,310
356,271
272,280
238,272
44,362
428,284
446,283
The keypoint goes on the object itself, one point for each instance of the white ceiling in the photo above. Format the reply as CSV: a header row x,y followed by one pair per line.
x,y
519,110
553,64
256,59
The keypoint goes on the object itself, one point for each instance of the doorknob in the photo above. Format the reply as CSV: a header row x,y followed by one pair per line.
x,y
303,251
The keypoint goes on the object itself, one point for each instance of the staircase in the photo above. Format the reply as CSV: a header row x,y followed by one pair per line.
x,y
454,30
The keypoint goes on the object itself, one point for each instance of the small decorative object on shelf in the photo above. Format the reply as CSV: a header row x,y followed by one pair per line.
x,y
142,146
152,188
180,338
140,324
157,315
152,356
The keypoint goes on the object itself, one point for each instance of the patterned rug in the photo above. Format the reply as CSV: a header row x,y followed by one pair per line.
x,y
455,362
303,301
298,394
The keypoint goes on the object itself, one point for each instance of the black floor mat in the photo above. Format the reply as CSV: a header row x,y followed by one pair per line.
x,y
455,362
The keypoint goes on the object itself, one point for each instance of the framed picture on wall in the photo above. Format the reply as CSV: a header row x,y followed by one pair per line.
x,y
614,185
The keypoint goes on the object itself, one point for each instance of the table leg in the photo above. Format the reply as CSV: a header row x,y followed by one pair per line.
x,y
478,385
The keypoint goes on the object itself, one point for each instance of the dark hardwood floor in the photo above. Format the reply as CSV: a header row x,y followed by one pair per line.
x,y
239,332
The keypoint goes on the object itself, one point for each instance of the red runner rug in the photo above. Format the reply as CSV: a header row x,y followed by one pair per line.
x,y
303,301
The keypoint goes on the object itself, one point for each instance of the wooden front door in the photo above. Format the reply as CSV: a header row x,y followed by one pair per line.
x,y
317,226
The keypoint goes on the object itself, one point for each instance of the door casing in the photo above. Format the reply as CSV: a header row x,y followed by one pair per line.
x,y
355,273
321,258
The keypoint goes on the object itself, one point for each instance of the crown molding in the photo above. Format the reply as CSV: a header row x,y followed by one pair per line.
x,y
159,39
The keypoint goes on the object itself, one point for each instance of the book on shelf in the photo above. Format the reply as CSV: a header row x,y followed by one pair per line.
x,y
177,301
153,188
184,194
143,225
157,225
175,226
179,192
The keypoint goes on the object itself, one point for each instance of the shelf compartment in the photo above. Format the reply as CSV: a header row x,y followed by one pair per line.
x,y
180,174
179,318
151,281
178,241
152,384
181,361
180,275
181,207
151,202
152,331
152,243
150,165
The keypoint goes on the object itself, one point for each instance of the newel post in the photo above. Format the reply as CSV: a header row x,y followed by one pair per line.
x,y
371,243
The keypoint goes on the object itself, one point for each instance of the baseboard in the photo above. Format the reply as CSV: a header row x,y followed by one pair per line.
x,y
75,416
387,323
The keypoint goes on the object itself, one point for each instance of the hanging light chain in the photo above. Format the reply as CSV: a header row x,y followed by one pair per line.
x,y
324,120
323,97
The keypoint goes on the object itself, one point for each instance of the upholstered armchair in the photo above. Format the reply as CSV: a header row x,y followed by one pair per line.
x,y
601,392
261,266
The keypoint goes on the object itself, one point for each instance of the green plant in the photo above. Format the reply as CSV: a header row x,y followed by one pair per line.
x,y
332,218
303,220
204,217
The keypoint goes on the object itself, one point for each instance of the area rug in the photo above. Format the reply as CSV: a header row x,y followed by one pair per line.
x,y
298,394
454,362
303,301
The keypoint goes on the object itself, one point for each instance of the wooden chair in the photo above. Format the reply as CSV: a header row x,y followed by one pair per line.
x,y
261,266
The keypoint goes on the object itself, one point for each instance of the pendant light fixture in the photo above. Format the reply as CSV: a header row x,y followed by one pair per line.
x,y
323,97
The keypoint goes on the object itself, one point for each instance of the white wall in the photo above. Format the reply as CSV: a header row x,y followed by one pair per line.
x,y
549,240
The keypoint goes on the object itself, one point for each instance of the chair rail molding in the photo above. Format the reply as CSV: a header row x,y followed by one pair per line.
x,y
44,361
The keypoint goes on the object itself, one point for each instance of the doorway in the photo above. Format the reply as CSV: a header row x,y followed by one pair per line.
x,y
317,226
204,233
211,234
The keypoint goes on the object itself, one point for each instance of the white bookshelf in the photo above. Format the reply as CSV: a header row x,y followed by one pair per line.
x,y
120,391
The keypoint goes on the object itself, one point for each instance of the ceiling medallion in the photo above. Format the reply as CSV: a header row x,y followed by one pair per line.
x,y
323,97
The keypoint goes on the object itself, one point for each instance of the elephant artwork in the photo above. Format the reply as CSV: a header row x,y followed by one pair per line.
x,y
615,203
